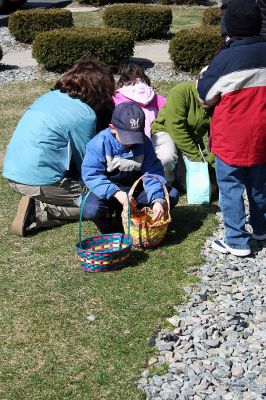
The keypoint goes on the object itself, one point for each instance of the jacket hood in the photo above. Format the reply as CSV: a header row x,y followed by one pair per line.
x,y
140,93
117,146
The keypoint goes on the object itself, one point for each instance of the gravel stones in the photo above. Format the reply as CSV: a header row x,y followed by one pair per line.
x,y
165,72
12,73
9,43
218,338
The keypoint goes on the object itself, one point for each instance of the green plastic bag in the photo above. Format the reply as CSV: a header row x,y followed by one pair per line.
x,y
197,181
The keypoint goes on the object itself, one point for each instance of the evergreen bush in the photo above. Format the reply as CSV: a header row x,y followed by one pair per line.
x,y
25,24
211,16
166,2
144,21
186,2
59,49
192,49
179,2
98,3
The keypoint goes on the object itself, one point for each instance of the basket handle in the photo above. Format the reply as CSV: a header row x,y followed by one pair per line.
x,y
81,213
166,194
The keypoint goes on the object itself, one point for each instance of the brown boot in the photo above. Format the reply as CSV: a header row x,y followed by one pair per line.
x,y
25,215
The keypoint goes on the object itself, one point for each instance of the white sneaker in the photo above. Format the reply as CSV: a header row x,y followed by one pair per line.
x,y
222,247
259,237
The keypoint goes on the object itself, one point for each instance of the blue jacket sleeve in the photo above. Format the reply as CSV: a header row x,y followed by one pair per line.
x,y
94,170
79,136
152,166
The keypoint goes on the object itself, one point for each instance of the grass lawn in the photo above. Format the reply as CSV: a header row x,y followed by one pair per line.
x,y
183,17
50,350
186,17
88,19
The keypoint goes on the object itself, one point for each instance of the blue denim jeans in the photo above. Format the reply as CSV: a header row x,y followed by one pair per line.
x,y
232,182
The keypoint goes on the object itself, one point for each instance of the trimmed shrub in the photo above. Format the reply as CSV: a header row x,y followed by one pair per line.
x,y
59,49
179,2
166,2
192,49
25,24
98,3
187,2
144,21
211,16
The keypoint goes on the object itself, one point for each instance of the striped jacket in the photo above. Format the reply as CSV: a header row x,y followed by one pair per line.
x,y
110,164
236,82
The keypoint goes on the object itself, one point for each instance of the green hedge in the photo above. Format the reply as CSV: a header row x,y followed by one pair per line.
x,y
166,2
179,2
98,3
192,49
211,16
59,49
25,24
144,21
187,2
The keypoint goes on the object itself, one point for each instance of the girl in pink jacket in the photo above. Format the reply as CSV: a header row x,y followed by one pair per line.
x,y
134,85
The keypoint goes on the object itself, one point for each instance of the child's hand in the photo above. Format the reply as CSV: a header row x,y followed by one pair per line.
x,y
133,203
158,211
121,197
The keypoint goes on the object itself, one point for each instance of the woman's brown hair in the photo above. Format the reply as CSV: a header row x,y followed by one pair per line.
x,y
130,74
90,81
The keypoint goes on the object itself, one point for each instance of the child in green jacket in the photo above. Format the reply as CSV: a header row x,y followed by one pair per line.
x,y
187,122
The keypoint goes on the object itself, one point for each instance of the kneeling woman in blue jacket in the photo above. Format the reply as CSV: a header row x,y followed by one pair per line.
x,y
114,159
44,156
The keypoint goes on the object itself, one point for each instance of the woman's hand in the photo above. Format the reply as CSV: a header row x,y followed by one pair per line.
x,y
158,211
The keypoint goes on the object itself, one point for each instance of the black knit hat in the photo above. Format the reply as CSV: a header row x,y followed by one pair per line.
x,y
243,19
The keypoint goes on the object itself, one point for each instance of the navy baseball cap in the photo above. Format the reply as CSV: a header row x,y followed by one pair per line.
x,y
129,121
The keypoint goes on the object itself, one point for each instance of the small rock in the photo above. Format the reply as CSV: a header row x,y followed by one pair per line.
x,y
152,361
237,370
91,317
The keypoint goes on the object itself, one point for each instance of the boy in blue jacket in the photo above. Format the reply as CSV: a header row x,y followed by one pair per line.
x,y
114,160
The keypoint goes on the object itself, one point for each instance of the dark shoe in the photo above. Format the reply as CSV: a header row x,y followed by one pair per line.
x,y
259,237
25,216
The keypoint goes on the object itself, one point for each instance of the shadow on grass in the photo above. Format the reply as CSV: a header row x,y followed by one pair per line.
x,y
137,257
185,220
